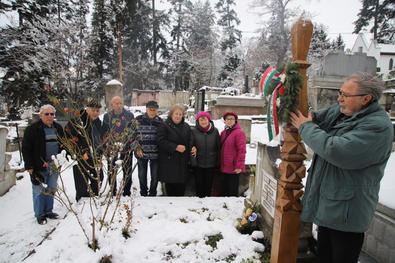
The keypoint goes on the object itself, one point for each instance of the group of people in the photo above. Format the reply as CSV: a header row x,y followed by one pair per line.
x,y
169,148
203,148
351,139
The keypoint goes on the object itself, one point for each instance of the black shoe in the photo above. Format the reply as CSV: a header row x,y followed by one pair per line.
x,y
52,215
41,220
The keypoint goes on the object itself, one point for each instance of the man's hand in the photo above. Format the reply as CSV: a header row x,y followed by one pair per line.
x,y
36,178
298,120
140,153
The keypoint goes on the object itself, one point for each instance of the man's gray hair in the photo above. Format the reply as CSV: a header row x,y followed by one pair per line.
x,y
46,107
368,84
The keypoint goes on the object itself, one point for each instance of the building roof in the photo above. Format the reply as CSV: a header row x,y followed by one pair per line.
x,y
387,48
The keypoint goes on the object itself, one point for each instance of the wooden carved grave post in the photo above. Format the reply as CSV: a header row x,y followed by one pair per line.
x,y
291,169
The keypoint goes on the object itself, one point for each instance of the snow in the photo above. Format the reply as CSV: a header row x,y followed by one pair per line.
x,y
114,82
163,229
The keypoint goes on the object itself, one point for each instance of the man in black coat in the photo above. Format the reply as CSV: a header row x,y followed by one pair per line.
x,y
40,143
85,134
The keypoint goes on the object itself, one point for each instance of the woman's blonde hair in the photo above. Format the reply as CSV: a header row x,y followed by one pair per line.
x,y
174,108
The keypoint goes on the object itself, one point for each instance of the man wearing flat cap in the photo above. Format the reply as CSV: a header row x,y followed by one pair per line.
x,y
85,134
146,148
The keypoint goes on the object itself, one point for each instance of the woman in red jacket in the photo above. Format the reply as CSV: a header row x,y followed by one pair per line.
x,y
233,153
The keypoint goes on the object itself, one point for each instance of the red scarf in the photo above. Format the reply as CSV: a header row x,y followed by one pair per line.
x,y
207,128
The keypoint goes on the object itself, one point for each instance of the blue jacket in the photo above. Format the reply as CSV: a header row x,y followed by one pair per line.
x,y
144,136
349,161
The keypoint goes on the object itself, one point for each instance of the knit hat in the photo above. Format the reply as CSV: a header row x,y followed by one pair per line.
x,y
230,113
203,114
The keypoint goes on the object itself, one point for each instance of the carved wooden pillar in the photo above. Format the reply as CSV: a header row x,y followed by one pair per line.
x,y
287,214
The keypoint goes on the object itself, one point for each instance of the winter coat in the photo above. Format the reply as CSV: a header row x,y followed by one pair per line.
x,y
208,146
117,123
233,149
344,179
33,145
114,124
173,165
80,131
144,136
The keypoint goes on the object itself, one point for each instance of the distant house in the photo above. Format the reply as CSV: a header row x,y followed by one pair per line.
x,y
384,54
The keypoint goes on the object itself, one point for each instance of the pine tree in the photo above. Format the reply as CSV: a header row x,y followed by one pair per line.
x,y
320,46
50,51
231,38
381,15
180,68
200,43
25,54
103,45
338,44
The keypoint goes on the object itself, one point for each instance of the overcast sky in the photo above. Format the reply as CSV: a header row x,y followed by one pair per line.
x,y
337,15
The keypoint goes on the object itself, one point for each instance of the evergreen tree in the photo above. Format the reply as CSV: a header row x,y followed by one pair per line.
x,y
381,15
320,46
338,44
142,44
102,53
50,51
200,43
24,53
73,39
228,20
24,58
178,76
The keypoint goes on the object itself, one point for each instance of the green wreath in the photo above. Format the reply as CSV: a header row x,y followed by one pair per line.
x,y
289,98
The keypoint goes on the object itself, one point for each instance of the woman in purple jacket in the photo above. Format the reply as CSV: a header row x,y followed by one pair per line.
x,y
233,153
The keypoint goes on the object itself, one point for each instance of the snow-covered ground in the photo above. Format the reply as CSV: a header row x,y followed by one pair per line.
x,y
163,229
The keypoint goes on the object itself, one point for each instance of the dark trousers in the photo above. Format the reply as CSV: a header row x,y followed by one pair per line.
x,y
173,189
230,186
84,176
127,174
203,181
337,246
143,168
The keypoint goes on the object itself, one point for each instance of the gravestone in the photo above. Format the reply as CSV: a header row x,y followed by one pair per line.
x,y
112,88
7,176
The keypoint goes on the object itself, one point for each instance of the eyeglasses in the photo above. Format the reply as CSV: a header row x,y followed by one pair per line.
x,y
49,113
341,94
230,119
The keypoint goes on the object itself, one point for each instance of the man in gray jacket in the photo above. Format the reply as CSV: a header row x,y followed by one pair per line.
x,y
352,142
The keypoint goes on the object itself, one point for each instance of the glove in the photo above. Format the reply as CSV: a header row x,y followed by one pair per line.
x,y
36,178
